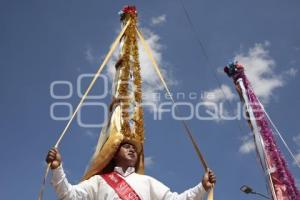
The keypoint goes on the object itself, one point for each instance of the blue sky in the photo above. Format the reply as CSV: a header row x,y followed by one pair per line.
x,y
47,41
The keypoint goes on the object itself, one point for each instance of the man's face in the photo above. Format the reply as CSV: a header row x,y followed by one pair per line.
x,y
127,155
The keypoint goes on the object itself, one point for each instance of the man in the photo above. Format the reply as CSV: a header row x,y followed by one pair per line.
x,y
122,182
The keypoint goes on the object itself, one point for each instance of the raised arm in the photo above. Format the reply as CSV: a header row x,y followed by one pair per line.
x,y
161,192
86,190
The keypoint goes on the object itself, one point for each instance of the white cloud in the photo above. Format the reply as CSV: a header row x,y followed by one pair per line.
x,y
259,67
297,159
247,146
219,94
158,20
296,139
291,72
213,98
151,82
149,161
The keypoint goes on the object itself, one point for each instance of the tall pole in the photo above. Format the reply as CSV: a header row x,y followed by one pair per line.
x,y
278,177
259,143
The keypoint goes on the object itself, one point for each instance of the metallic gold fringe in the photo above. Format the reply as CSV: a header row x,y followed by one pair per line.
x,y
138,113
130,50
123,88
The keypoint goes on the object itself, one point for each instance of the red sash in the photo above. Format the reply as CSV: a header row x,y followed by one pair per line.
x,y
121,187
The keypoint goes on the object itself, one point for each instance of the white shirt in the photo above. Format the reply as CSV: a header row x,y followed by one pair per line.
x,y
96,188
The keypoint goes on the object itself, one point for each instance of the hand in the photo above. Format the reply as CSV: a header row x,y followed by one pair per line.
x,y
209,179
54,158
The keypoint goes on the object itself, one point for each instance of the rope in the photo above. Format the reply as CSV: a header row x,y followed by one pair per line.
x,y
149,52
107,57
188,131
259,143
280,136
200,43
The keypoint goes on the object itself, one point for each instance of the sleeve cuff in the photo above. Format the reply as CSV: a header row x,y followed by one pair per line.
x,y
58,175
201,189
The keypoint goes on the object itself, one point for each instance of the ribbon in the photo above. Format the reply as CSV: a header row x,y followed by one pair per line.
x,y
107,57
188,132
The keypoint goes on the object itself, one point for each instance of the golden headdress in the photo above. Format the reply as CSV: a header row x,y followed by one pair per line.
x,y
125,121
